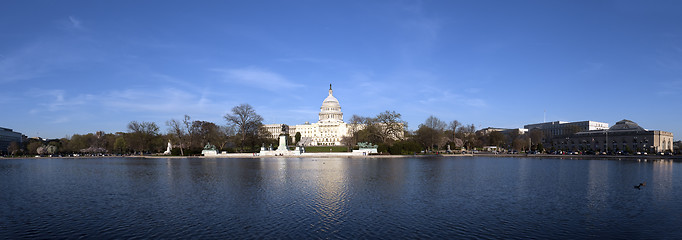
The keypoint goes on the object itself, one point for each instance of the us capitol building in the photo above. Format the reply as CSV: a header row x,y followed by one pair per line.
x,y
329,130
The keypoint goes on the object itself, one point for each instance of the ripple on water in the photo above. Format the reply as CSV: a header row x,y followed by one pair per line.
x,y
446,198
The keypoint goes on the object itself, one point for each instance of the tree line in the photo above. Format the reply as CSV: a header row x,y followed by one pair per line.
x,y
244,131
434,135
390,132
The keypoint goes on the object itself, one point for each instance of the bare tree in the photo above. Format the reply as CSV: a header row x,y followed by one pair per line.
x,y
370,132
189,136
510,137
13,148
430,133
246,121
520,143
355,124
392,127
428,136
468,134
496,138
435,123
454,125
179,132
206,132
536,136
143,134
224,137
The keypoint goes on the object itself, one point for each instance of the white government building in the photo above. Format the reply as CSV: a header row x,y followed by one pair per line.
x,y
329,130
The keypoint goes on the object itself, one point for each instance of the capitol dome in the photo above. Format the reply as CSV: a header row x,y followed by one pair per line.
x,y
331,109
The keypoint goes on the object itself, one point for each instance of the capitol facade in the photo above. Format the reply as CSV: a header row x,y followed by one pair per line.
x,y
329,130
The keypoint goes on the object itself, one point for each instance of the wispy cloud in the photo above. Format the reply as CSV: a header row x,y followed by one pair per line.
x,y
670,88
275,114
257,78
669,58
58,106
55,100
420,32
475,102
304,59
431,96
22,65
321,62
75,23
168,100
42,57
472,90
6,98
61,119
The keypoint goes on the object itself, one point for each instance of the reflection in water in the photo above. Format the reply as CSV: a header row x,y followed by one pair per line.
x,y
597,186
415,198
662,179
330,197
523,174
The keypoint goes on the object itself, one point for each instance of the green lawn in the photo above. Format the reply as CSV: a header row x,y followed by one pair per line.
x,y
313,149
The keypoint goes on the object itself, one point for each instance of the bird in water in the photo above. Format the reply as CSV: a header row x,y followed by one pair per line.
x,y
642,184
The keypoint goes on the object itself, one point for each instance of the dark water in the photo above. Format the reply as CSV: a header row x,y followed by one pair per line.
x,y
453,198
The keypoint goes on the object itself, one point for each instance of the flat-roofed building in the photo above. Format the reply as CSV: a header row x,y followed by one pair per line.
x,y
7,136
488,130
555,129
276,129
626,136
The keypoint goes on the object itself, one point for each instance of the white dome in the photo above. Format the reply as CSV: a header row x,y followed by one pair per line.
x,y
331,109
331,101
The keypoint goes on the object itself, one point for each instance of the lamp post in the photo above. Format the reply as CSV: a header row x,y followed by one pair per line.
x,y
606,144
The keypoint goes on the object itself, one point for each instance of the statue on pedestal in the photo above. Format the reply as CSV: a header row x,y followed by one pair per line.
x,y
168,149
209,150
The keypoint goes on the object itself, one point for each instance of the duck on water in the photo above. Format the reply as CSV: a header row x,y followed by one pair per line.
x,y
642,184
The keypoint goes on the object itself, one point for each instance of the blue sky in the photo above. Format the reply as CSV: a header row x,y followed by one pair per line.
x,y
82,66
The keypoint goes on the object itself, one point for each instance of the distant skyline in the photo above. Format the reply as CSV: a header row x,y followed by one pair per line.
x,y
75,67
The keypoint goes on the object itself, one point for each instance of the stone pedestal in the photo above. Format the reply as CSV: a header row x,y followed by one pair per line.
x,y
281,150
209,152
282,143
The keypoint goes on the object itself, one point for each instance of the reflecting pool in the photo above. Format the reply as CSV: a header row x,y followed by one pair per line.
x,y
438,197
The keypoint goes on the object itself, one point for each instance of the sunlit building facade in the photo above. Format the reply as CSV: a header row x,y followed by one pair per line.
x,y
625,136
329,130
555,129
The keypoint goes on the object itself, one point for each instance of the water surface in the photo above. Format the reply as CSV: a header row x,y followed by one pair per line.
x,y
348,198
